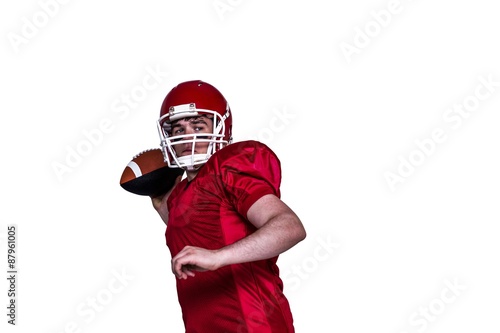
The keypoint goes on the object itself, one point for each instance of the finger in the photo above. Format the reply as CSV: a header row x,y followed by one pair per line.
x,y
179,274
187,270
184,263
177,265
176,269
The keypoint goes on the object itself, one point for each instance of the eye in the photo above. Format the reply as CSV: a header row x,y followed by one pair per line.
x,y
177,131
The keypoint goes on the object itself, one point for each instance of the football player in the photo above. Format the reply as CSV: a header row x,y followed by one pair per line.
x,y
226,223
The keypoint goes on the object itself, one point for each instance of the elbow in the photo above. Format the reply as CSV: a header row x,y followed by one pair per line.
x,y
302,234
300,231
296,231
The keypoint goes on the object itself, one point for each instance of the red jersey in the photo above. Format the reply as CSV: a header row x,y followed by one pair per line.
x,y
210,212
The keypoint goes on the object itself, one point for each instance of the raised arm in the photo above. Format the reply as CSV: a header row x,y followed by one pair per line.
x,y
160,202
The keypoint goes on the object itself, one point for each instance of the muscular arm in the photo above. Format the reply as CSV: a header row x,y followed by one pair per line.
x,y
279,229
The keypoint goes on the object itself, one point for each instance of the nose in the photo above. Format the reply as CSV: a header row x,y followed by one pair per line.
x,y
188,130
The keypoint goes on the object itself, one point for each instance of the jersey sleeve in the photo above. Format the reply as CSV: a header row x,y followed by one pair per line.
x,y
249,170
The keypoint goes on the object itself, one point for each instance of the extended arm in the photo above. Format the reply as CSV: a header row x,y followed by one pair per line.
x,y
278,229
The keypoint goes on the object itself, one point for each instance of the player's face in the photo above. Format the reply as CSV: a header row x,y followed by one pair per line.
x,y
193,125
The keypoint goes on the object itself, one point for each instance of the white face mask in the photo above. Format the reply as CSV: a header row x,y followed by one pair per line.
x,y
214,138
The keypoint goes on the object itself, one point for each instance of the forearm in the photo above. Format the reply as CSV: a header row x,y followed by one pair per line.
x,y
275,237
278,229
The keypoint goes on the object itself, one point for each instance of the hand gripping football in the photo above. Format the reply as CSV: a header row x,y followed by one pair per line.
x,y
148,174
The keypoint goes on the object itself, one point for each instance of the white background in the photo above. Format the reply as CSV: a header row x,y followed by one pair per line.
x,y
350,118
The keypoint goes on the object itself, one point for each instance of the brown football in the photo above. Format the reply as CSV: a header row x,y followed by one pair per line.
x,y
148,174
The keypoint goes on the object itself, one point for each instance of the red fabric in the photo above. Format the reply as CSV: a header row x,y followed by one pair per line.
x,y
210,212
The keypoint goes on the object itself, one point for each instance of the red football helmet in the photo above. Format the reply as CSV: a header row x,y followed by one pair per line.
x,y
194,99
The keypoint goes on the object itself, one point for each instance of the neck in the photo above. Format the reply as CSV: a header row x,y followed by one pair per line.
x,y
191,174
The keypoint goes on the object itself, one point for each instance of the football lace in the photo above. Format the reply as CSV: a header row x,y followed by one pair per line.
x,y
144,151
